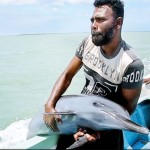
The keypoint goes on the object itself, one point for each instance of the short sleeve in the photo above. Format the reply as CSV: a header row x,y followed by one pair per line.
x,y
80,49
133,76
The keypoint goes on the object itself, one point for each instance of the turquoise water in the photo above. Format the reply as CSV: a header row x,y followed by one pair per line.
x,y
30,65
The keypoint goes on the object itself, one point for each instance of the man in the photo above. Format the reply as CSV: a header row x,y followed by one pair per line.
x,y
111,69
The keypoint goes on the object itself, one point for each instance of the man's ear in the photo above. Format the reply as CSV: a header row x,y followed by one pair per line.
x,y
119,22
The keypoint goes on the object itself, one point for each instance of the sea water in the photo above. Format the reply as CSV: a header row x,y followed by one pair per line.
x,y
29,67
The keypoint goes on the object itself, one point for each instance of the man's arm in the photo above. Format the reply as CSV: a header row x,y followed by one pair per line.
x,y
131,97
132,85
59,88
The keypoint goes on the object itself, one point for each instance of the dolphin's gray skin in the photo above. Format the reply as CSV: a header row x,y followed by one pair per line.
x,y
88,111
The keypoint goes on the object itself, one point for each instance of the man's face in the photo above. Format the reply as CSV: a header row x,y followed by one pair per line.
x,y
102,28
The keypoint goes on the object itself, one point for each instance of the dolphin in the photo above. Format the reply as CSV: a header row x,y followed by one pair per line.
x,y
87,111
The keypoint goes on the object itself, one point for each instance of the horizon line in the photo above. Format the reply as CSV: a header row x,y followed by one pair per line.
x,y
55,33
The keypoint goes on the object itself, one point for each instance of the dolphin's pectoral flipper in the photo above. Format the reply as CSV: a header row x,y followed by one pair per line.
x,y
81,141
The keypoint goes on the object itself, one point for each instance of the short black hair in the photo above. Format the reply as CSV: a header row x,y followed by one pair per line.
x,y
117,6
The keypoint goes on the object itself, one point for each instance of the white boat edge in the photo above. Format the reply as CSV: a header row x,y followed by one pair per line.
x,y
38,142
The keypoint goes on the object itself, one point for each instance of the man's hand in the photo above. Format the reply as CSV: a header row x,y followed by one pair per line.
x,y
90,137
51,120
146,80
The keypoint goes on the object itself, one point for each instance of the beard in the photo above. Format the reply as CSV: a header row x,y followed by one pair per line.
x,y
100,39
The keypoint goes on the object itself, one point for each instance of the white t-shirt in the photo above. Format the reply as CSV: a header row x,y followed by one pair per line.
x,y
105,76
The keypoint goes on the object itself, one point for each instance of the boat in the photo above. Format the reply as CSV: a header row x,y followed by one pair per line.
x,y
141,116
132,140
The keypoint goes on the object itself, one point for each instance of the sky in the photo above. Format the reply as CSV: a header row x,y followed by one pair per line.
x,y
64,16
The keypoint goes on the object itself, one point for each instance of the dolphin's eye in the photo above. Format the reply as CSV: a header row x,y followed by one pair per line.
x,y
98,104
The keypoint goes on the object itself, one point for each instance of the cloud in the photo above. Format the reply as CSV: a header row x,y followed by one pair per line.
x,y
44,2
54,9
18,2
75,1
136,1
62,2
